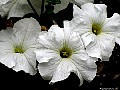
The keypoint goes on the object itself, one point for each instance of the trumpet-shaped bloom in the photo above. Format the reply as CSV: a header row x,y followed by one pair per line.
x,y
17,45
98,32
63,52
18,8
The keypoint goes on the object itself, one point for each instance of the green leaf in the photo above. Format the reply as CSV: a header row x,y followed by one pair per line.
x,y
53,2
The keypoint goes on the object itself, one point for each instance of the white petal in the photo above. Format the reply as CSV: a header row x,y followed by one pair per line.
x,y
91,62
79,55
6,6
47,69
63,71
96,11
88,38
81,22
17,9
8,59
94,50
87,72
112,27
53,39
23,64
30,55
6,47
26,31
44,55
6,35
61,6
112,24
107,43
75,42
81,2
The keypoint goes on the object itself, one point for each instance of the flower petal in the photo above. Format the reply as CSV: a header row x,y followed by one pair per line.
x,y
61,6
94,50
47,69
107,43
63,71
75,42
23,64
44,55
97,12
88,37
17,9
87,72
30,55
112,27
6,6
8,59
26,31
81,2
6,35
81,22
52,39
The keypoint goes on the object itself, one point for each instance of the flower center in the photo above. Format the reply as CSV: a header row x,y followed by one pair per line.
x,y
65,52
96,29
19,49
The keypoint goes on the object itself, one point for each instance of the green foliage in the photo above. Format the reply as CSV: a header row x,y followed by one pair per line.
x,y
53,2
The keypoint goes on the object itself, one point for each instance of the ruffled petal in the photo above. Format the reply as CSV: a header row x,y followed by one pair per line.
x,y
86,68
44,55
30,55
112,27
23,64
88,38
26,31
81,22
61,6
63,71
75,42
81,2
8,59
14,8
107,43
53,39
47,63
94,50
97,12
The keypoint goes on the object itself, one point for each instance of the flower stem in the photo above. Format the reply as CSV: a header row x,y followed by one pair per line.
x,y
42,7
32,7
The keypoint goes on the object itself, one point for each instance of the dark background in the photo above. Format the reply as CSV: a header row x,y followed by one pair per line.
x,y
108,75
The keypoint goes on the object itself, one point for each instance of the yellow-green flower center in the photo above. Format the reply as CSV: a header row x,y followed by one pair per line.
x,y
19,49
96,29
65,52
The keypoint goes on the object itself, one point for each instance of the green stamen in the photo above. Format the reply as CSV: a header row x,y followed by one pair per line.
x,y
65,52
96,29
19,49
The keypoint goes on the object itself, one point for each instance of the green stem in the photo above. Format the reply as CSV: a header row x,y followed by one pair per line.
x,y
32,7
42,7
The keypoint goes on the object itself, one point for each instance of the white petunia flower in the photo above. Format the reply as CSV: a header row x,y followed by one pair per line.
x,y
98,32
64,4
17,45
63,52
18,8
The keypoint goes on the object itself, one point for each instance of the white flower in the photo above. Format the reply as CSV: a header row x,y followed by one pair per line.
x,y
17,45
64,4
18,8
62,53
98,32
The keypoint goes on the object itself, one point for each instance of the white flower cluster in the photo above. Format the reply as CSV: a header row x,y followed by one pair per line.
x,y
75,48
